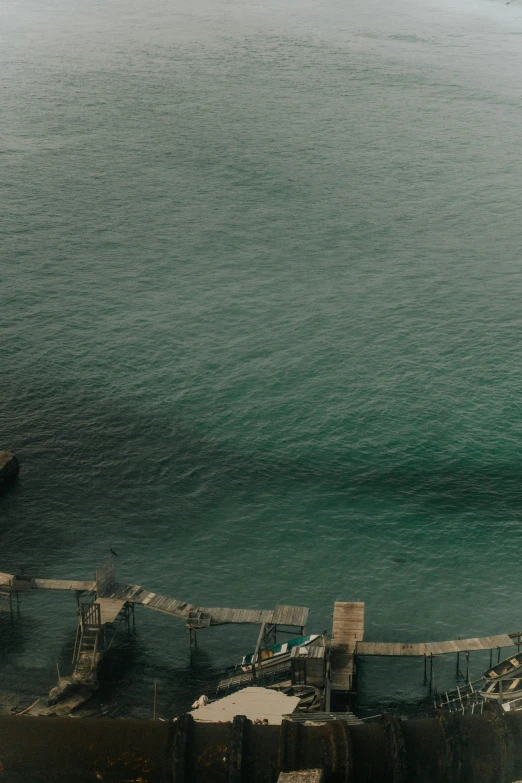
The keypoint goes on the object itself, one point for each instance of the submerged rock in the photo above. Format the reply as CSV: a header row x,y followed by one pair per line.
x,y
9,468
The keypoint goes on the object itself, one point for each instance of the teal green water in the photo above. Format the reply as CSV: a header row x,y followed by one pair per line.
x,y
260,323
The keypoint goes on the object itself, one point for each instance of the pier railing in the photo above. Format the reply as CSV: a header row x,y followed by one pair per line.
x,y
463,699
234,677
90,615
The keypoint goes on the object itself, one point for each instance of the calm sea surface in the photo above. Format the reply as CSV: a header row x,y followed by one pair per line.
x,y
260,324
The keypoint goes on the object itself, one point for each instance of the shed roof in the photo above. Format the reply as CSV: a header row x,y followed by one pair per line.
x,y
263,704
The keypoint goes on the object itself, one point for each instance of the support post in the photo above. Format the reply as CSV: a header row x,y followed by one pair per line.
x,y
498,659
155,698
425,670
491,658
467,667
431,670
457,672
500,692
255,657
133,618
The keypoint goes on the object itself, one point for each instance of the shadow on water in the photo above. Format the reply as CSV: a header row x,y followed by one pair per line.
x,y
83,443
15,633
129,676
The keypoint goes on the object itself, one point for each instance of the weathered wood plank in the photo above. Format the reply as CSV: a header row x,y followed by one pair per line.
x,y
435,648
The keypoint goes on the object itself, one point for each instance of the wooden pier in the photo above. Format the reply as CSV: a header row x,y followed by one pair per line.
x,y
347,632
428,649
103,603
195,616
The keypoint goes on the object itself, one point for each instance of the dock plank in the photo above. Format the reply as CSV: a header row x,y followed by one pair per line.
x,y
110,608
65,584
347,631
435,648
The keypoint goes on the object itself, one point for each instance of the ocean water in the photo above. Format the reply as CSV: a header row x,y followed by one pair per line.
x,y
260,325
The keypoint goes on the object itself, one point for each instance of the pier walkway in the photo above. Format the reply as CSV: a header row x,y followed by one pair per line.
x,y
195,616
428,649
347,632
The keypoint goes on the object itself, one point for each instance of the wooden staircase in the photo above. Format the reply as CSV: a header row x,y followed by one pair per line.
x,y
88,647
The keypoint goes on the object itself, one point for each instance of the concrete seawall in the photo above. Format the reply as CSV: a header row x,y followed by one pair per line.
x,y
483,748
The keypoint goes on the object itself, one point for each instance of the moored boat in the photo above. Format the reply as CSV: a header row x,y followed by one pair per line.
x,y
511,689
279,652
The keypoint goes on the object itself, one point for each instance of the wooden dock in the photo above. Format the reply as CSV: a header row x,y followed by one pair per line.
x,y
347,631
103,603
195,616
428,649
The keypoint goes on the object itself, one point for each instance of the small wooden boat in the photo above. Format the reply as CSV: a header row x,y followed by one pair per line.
x,y
503,682
511,689
279,652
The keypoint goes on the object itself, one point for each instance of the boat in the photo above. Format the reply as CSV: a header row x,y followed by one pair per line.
x,y
511,689
279,652
503,682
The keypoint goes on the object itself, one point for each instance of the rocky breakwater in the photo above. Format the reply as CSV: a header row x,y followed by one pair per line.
x,y
9,469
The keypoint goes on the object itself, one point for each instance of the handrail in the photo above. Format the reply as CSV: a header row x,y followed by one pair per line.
x,y
94,651
75,651
90,614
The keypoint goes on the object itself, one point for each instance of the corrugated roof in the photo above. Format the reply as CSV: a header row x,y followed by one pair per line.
x,y
307,652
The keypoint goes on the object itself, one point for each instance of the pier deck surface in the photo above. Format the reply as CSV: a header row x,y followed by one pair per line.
x,y
347,630
434,648
110,608
193,614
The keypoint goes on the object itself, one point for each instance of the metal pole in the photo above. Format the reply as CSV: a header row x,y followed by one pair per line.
x,y
58,670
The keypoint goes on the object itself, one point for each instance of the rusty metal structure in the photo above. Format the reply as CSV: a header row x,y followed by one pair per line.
x,y
485,748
